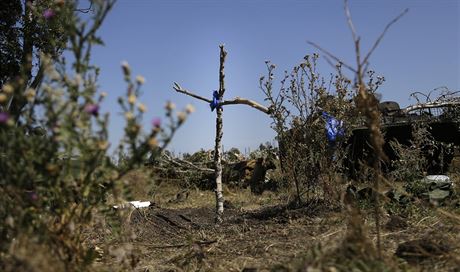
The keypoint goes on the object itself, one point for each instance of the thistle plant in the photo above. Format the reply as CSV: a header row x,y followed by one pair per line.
x,y
56,170
298,110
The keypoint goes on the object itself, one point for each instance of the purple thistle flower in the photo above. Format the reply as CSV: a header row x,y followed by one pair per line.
x,y
48,14
4,116
92,109
33,196
156,122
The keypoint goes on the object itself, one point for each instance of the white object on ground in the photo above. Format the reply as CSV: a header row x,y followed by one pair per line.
x,y
136,204
437,178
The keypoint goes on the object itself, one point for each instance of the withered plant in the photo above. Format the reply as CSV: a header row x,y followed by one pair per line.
x,y
297,109
300,108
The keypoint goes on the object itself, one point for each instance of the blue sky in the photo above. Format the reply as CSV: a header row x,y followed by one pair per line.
x,y
178,40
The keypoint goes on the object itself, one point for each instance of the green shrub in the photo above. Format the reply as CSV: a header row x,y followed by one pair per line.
x,y
56,171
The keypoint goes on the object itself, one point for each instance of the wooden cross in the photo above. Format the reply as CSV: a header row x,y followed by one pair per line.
x,y
219,125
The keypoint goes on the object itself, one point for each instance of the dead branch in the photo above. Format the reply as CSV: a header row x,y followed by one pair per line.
x,y
350,22
184,245
379,39
369,106
191,165
179,89
186,164
331,56
251,103
175,170
236,100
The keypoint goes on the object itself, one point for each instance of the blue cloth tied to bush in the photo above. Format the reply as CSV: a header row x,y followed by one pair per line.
x,y
215,100
334,128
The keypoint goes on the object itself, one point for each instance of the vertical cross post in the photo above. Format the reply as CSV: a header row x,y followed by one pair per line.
x,y
219,133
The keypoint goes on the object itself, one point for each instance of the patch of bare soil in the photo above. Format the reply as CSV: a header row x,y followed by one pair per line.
x,y
168,239
259,236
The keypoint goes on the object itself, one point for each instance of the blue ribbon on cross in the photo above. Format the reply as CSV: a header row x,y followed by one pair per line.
x,y
215,100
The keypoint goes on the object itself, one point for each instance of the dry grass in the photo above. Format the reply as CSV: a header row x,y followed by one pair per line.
x,y
263,234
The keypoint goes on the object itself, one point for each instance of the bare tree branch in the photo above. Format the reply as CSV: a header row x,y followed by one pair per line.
x,y
251,103
379,39
350,22
331,55
368,105
236,100
184,245
329,61
184,163
179,89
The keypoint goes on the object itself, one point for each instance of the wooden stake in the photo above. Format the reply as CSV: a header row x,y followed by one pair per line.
x,y
219,134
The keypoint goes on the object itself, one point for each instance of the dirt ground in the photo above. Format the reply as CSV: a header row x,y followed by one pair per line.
x,y
262,233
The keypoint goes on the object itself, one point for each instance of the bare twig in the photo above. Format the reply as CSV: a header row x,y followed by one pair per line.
x,y
379,39
331,56
449,215
236,100
350,21
184,163
251,103
179,89
330,234
329,61
269,246
359,71
368,104
189,171
184,245
393,233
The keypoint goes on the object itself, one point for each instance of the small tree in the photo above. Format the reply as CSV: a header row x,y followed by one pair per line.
x,y
28,30
56,173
